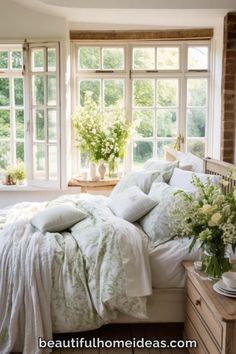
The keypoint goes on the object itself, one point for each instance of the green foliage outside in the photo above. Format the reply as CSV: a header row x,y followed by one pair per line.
x,y
5,101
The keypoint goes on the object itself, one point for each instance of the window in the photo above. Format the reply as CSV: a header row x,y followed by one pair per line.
x,y
163,86
29,111
44,117
101,70
12,131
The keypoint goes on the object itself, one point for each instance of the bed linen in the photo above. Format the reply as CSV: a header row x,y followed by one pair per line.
x,y
166,263
69,281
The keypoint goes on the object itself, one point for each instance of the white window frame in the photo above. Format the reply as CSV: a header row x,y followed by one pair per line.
x,y
12,74
92,74
183,74
33,180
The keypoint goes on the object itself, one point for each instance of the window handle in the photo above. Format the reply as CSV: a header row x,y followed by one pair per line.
x,y
104,71
178,142
28,127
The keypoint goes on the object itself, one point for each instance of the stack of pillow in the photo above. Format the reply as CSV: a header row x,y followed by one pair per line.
x,y
146,196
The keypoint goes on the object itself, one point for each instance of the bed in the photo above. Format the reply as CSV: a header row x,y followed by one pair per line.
x,y
134,273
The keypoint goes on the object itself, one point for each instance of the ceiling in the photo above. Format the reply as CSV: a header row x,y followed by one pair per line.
x,y
128,14
139,4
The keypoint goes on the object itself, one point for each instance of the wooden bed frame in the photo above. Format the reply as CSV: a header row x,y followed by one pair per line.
x,y
167,305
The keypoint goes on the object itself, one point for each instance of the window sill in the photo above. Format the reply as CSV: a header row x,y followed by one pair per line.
x,y
25,188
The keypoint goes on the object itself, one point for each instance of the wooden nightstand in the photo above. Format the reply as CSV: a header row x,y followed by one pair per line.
x,y
104,186
210,318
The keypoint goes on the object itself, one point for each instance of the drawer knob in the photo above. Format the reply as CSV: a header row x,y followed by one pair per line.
x,y
198,302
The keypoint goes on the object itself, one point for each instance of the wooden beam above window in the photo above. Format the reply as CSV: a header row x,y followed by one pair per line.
x,y
173,34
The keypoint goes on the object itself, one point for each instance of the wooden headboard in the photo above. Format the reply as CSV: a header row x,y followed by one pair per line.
x,y
221,168
212,167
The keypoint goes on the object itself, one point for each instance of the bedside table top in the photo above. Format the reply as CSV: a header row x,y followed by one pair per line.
x,y
223,307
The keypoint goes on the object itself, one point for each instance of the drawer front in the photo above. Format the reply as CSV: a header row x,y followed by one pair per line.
x,y
200,328
190,333
201,307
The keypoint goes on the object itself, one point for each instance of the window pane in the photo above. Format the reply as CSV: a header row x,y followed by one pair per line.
x,y
167,58
38,89
52,154
167,92
114,93
16,60
90,85
39,131
3,59
197,92
143,122
4,154
20,129
196,147
113,58
38,60
4,124
52,124
197,58
52,61
39,161
89,58
84,159
166,123
161,145
196,122
142,151
52,90
4,92
18,91
20,151
144,58
143,93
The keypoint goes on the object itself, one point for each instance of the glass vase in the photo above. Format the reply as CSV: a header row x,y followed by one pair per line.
x,y
215,260
113,168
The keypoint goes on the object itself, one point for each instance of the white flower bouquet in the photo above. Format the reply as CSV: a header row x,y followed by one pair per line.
x,y
101,134
209,216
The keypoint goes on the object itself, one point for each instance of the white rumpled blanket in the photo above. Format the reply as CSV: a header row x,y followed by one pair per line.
x,y
25,281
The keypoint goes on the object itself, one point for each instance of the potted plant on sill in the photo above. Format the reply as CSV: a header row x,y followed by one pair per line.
x,y
15,174
103,135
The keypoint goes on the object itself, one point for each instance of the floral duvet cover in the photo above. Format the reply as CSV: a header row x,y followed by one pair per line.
x,y
70,281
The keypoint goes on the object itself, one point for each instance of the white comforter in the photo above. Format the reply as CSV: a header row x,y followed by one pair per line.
x,y
71,281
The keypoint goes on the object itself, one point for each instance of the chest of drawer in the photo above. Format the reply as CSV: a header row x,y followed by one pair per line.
x,y
190,333
206,315
201,329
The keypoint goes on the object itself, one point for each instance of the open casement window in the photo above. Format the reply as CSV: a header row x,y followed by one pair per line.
x,y
44,118
12,110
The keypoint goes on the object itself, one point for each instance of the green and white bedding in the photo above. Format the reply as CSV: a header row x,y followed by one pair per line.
x,y
70,281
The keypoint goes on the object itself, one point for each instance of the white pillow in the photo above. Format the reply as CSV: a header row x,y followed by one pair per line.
x,y
57,218
158,223
132,204
182,179
141,178
160,165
